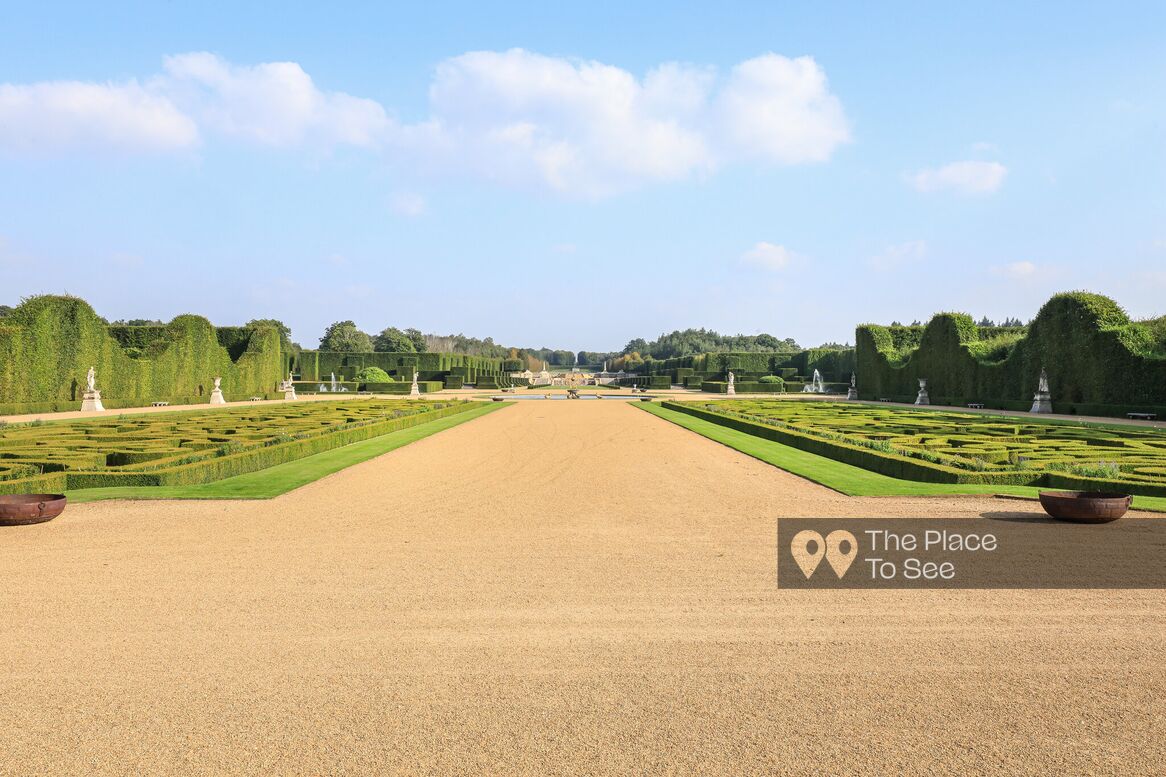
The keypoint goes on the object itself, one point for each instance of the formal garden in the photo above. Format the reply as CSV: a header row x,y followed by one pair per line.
x,y
186,448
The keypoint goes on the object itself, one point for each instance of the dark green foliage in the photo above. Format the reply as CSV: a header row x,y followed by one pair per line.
x,y
1095,357
344,336
48,343
394,340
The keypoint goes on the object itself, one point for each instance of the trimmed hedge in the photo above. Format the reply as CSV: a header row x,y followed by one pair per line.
x,y
166,448
941,447
1098,361
48,344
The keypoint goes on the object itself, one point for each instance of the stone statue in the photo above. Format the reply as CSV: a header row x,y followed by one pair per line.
x,y
288,387
1042,402
852,392
731,388
923,398
91,399
414,390
217,397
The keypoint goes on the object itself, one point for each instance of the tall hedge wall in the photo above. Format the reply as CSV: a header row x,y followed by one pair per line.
x,y
1096,357
319,365
48,344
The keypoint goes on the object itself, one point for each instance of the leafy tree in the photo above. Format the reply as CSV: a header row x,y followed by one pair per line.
x,y
138,322
393,340
344,336
417,339
6,310
285,343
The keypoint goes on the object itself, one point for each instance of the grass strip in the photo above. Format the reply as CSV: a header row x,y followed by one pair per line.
x,y
273,481
845,478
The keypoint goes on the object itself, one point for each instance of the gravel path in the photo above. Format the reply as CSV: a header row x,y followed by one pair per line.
x,y
556,588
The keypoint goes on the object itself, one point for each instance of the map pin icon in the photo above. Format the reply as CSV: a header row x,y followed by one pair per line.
x,y
799,549
840,560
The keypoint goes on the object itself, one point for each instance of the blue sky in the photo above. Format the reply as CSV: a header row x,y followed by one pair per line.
x,y
575,177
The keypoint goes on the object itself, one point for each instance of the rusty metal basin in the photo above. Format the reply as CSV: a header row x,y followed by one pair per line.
x,y
21,509
1085,506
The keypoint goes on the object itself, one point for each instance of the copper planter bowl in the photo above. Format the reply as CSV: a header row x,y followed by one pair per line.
x,y
21,509
1085,506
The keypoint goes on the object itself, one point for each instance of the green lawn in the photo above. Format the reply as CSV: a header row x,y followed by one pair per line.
x,y
273,481
844,478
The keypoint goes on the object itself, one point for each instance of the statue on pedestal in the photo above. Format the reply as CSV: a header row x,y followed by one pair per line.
x,y
91,399
414,390
852,393
1042,402
288,388
923,398
217,397
731,389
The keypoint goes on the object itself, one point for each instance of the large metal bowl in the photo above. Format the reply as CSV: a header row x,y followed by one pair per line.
x,y
1085,506
22,509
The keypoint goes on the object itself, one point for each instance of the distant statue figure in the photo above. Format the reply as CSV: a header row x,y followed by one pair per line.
x,y
853,379
415,390
852,392
1043,401
923,398
217,397
731,388
91,399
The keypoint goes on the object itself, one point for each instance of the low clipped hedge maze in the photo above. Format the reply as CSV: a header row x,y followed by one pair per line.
x,y
952,447
185,448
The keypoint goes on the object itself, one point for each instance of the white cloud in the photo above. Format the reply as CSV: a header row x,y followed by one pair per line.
x,y
781,110
274,103
580,127
1016,270
895,256
968,177
769,256
408,204
54,116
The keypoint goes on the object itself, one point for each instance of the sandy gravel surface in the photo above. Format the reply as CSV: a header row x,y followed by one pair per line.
x,y
403,616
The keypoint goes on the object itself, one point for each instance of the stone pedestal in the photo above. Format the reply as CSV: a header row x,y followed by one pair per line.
x,y
289,393
852,393
1042,402
91,400
217,397
923,398
731,389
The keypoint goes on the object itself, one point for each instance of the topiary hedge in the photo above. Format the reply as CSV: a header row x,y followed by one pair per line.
x,y
1095,356
48,344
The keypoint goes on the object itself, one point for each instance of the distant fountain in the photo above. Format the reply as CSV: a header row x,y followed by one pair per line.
x,y
815,386
1042,402
923,398
334,382
322,388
